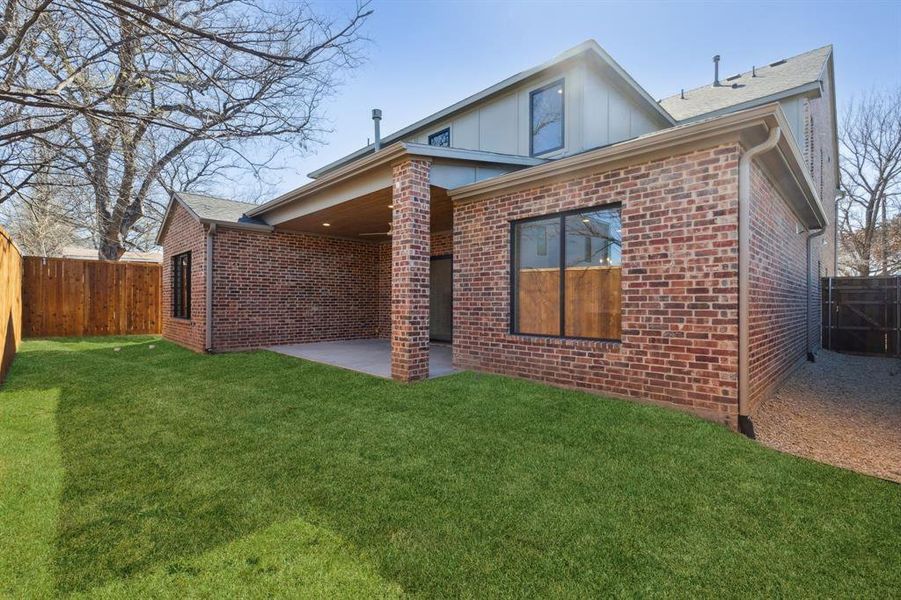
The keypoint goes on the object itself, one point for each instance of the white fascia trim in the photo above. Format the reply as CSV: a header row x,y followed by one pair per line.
x,y
237,225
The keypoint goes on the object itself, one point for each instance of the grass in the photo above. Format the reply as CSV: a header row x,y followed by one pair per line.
x,y
155,472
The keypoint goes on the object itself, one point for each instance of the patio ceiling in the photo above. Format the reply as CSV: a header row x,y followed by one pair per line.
x,y
367,214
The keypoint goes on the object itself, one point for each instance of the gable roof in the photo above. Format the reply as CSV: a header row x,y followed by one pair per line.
x,y
781,79
211,210
588,48
208,208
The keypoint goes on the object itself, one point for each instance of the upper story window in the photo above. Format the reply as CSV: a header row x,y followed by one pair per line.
x,y
181,286
546,118
441,138
566,275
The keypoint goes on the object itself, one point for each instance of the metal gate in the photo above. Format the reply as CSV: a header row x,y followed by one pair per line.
x,y
862,315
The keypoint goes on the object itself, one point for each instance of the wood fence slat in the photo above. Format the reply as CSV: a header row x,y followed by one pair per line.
x,y
71,297
11,314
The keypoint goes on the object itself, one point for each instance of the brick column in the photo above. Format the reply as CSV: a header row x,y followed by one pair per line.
x,y
410,272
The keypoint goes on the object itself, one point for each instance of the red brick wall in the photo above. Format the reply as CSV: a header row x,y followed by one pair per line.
x,y
442,244
185,234
680,285
285,287
778,289
410,247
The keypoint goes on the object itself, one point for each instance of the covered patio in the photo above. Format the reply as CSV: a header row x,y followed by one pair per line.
x,y
372,357
397,198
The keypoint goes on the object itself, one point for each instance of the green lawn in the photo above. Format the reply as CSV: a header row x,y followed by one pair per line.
x,y
158,472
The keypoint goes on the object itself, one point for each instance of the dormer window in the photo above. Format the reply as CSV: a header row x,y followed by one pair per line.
x,y
546,118
441,138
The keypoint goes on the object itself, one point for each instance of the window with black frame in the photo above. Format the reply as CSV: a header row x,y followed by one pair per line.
x,y
440,138
546,118
567,274
181,286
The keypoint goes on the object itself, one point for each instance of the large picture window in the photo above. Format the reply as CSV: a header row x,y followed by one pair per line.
x,y
566,275
181,286
546,118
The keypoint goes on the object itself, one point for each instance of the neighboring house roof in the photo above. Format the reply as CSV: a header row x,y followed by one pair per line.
x,y
211,210
82,253
588,47
772,82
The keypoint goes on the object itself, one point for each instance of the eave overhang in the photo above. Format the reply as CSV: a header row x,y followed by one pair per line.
x,y
383,159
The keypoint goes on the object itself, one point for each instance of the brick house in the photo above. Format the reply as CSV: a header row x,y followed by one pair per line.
x,y
560,226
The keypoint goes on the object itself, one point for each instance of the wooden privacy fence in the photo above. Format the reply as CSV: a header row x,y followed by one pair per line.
x,y
70,297
592,296
10,301
862,314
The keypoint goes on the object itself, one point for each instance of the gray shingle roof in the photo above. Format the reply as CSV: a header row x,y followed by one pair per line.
x,y
772,79
218,209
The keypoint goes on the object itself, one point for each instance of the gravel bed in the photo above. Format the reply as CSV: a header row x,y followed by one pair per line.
x,y
843,410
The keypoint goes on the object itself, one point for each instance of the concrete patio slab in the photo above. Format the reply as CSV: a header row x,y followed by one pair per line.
x,y
366,356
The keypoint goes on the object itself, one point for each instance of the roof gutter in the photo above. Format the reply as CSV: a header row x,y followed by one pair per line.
x,y
237,225
744,266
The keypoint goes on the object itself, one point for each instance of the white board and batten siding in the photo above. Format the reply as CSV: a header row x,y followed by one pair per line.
x,y
598,110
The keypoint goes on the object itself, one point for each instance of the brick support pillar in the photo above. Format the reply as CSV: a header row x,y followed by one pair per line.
x,y
410,271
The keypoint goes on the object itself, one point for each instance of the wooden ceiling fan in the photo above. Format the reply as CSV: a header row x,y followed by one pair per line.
x,y
388,233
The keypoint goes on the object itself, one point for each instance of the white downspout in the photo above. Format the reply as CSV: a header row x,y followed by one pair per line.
x,y
810,235
744,266
210,232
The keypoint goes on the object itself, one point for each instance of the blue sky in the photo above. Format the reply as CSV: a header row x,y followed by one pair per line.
x,y
424,56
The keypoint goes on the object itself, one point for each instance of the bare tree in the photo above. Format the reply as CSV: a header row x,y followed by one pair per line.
x,y
135,96
40,224
871,180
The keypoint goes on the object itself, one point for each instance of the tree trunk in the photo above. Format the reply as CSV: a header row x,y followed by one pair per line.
x,y
111,249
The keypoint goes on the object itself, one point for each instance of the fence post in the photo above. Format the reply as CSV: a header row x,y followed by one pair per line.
x,y
898,315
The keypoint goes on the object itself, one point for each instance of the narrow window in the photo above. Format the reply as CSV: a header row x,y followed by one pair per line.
x,y
181,286
573,290
441,138
546,118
